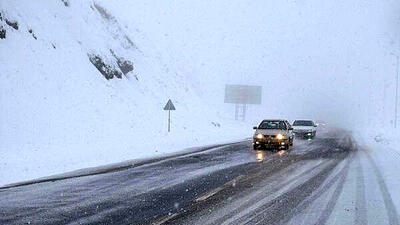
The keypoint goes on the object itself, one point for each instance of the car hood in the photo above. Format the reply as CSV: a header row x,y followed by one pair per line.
x,y
270,131
302,128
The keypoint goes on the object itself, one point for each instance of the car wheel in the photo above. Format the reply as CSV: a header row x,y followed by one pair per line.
x,y
255,147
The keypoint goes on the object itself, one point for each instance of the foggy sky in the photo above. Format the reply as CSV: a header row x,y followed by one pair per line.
x,y
328,60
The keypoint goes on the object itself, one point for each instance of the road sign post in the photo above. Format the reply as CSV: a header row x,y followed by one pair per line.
x,y
169,106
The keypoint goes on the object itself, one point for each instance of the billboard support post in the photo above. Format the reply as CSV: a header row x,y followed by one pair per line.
x,y
236,111
240,111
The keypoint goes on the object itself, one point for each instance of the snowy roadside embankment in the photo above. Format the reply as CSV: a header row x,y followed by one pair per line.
x,y
23,165
382,147
383,138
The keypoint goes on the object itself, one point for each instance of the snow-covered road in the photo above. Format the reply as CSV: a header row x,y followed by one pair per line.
x,y
331,180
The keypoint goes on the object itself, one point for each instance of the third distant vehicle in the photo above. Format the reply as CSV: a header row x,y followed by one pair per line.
x,y
306,129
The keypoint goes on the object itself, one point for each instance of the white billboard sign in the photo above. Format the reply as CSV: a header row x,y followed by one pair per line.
x,y
243,94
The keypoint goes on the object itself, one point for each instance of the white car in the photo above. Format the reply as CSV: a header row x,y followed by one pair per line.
x,y
304,129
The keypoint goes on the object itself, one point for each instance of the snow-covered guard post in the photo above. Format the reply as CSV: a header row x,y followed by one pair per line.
x,y
241,96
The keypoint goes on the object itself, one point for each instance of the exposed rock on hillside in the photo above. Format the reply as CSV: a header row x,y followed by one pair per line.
x,y
2,33
108,71
124,65
33,34
13,24
66,2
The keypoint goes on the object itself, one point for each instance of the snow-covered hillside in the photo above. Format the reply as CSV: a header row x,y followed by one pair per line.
x,y
78,88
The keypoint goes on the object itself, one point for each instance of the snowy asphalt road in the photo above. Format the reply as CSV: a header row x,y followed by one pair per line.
x,y
317,182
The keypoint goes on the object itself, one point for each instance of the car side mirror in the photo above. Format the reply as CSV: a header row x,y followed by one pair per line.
x,y
315,125
291,128
254,128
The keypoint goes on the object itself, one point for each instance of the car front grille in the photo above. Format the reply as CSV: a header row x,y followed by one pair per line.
x,y
270,136
302,131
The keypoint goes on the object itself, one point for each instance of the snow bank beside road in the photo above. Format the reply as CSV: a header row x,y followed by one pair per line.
x,y
388,138
25,164
383,150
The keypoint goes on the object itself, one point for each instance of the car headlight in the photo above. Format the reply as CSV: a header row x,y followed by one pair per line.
x,y
279,136
259,136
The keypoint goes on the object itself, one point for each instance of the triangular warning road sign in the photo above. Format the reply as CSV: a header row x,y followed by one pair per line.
x,y
169,105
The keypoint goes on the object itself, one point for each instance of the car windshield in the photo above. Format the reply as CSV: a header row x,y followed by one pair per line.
x,y
272,125
303,123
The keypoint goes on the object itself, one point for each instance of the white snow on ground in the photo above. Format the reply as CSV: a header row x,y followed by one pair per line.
x,y
384,148
58,113
362,189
